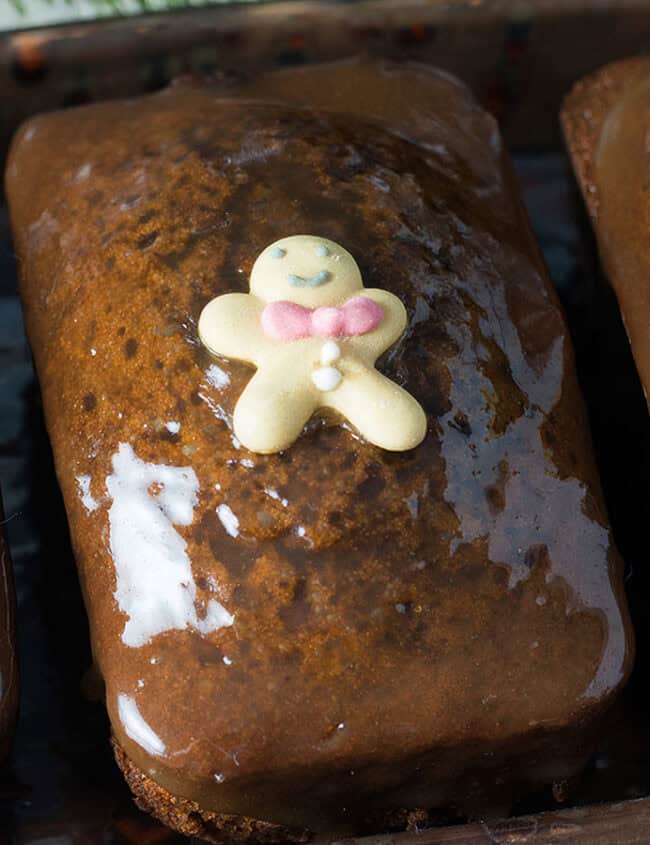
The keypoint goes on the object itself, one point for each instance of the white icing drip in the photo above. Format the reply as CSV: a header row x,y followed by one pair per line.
x,y
227,660
155,586
217,377
173,427
91,504
84,171
136,728
93,352
301,531
228,520
275,495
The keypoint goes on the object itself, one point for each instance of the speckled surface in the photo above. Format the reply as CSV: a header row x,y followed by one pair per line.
x,y
62,782
467,586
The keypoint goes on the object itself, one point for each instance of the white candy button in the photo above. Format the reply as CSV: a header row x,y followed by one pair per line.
x,y
329,353
326,378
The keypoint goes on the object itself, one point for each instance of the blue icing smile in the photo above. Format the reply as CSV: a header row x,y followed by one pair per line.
x,y
312,282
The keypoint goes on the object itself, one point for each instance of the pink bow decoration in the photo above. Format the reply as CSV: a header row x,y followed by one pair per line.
x,y
290,321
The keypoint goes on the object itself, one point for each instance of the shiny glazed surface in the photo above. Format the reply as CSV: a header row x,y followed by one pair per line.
x,y
409,629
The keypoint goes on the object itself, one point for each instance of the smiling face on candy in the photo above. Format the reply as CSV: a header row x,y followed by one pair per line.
x,y
308,270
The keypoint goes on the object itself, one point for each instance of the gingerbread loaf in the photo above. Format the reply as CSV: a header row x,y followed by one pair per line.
x,y
606,122
327,470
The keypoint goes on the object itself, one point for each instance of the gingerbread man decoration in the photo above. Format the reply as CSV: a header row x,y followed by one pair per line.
x,y
314,334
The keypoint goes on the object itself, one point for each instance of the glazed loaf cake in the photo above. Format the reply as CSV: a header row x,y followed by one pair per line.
x,y
318,592
606,121
8,666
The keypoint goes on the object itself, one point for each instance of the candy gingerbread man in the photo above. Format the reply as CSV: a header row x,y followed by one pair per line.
x,y
314,333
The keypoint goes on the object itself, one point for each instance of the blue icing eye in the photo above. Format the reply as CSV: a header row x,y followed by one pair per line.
x,y
278,252
322,250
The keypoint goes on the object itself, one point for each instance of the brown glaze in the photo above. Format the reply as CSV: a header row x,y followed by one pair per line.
x,y
606,121
8,665
410,629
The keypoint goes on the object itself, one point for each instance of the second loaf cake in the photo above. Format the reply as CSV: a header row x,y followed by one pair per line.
x,y
606,122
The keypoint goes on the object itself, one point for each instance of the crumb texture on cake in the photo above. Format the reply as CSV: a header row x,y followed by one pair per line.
x,y
189,819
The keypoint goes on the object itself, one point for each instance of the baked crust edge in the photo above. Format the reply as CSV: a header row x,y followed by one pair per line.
x,y
583,115
190,819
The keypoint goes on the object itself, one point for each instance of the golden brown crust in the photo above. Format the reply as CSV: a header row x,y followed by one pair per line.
x,y
584,112
188,818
